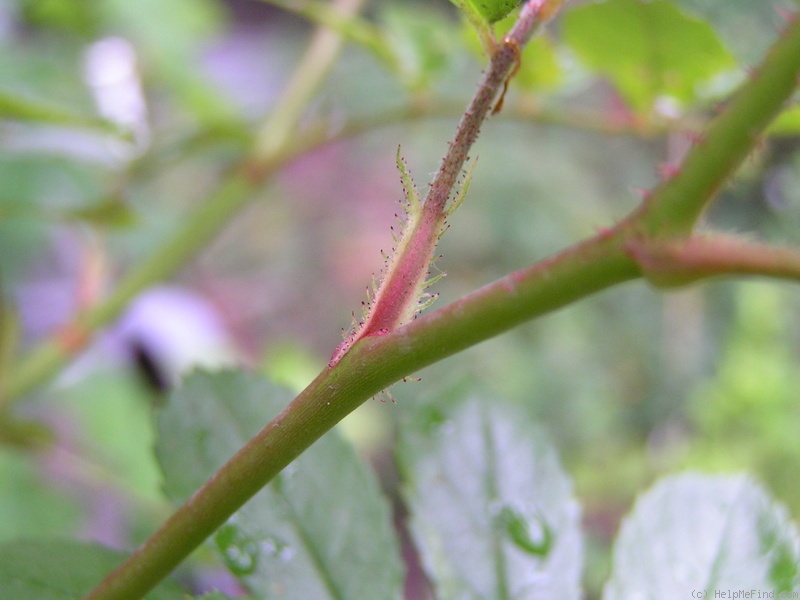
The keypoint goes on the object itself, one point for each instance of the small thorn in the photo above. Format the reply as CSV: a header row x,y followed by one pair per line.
x,y
719,107
668,170
605,232
787,15
644,193
760,144
696,137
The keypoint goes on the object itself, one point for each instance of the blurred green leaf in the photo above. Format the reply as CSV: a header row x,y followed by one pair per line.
x,y
18,433
494,10
353,27
9,335
114,412
38,186
112,212
752,397
492,511
21,242
219,596
60,570
490,11
169,37
649,50
423,45
539,67
695,534
29,504
322,529
78,16
175,29
788,122
291,366
746,26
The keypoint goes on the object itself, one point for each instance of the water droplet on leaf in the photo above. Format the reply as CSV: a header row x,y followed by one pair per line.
x,y
239,552
519,532
278,548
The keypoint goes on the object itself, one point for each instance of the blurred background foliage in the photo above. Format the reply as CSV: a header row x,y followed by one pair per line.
x,y
118,118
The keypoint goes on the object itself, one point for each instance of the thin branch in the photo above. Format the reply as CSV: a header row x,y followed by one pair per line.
x,y
668,263
399,293
317,61
673,208
354,29
533,15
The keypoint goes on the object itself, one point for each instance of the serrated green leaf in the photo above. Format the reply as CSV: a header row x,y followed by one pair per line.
x,y
60,570
700,534
320,530
492,511
649,50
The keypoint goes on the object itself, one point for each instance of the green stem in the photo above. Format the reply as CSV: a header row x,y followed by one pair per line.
x,y
25,108
355,29
668,263
675,206
403,280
